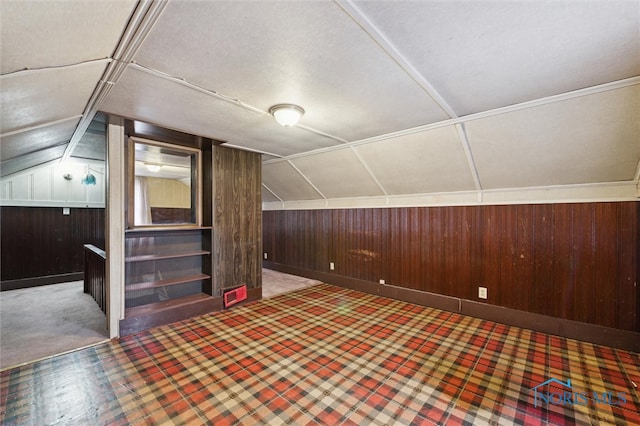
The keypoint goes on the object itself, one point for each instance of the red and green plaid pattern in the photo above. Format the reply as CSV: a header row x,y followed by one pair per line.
x,y
323,355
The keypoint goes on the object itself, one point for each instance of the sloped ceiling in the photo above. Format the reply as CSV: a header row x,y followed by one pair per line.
x,y
53,54
401,98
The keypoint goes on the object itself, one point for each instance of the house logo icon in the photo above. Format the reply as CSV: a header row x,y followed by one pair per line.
x,y
563,393
539,396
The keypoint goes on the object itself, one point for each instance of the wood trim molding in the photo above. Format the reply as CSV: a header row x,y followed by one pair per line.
x,y
621,339
38,281
136,324
574,193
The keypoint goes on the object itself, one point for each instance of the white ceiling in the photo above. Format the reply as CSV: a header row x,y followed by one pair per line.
x,y
401,97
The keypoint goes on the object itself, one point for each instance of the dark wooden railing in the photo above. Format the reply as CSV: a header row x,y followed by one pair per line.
x,y
95,275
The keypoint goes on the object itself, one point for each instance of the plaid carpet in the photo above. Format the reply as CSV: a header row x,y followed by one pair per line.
x,y
326,355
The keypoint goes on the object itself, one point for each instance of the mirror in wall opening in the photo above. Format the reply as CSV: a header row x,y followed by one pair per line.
x,y
165,185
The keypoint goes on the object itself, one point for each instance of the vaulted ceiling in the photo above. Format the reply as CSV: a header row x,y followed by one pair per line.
x,y
401,98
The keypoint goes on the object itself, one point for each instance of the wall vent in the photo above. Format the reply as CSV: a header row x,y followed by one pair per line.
x,y
233,296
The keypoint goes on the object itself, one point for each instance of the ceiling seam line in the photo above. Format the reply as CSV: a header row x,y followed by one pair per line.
x,y
389,48
369,140
464,140
186,83
141,23
307,180
40,126
371,174
34,152
552,99
27,71
272,193
321,133
605,87
139,26
234,101
11,175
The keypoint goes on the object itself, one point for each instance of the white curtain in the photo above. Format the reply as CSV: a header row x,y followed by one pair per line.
x,y
142,209
143,245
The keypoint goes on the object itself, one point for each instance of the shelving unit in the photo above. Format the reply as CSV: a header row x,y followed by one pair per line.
x,y
178,263
167,282
166,269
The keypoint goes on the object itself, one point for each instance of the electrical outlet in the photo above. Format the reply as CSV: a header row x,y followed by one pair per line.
x,y
381,281
332,266
265,255
482,292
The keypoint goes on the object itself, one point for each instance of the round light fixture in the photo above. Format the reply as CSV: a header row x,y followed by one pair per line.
x,y
286,114
154,168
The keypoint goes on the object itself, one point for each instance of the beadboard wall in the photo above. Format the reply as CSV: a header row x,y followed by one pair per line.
x,y
574,261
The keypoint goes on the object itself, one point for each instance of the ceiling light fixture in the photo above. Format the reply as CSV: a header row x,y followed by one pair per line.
x,y
286,114
153,167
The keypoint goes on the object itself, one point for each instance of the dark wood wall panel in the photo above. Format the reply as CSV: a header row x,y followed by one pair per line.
x,y
572,261
563,258
541,256
41,241
628,312
237,219
435,271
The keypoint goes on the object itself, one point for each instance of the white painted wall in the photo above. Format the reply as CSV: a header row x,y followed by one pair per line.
x,y
45,186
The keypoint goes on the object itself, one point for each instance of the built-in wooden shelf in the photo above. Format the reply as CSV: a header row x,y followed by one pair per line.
x,y
167,275
148,257
164,305
158,313
162,229
167,282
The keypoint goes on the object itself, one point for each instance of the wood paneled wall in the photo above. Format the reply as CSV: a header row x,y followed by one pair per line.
x,y
572,261
237,219
41,241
